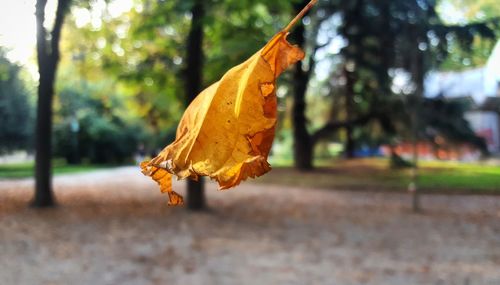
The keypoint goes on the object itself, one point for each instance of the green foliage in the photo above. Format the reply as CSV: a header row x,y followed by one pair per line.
x,y
479,49
125,77
143,52
16,112
92,128
236,29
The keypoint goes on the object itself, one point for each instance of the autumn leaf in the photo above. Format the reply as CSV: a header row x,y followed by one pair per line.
x,y
227,131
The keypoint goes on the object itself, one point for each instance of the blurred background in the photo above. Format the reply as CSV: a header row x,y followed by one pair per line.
x,y
386,161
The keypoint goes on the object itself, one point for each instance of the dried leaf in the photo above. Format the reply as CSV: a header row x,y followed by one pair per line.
x,y
227,131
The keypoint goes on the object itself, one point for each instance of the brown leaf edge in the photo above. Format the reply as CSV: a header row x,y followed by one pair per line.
x,y
164,179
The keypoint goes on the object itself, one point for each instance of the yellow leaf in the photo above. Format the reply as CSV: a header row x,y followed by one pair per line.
x,y
227,131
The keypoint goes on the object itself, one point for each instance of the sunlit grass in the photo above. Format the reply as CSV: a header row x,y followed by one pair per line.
x,y
374,174
454,175
24,170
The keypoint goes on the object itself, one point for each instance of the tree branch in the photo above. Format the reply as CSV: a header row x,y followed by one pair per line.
x,y
62,7
331,127
41,33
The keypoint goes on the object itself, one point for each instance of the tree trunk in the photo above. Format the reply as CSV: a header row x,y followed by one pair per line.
x,y
303,147
48,58
193,85
349,109
418,78
349,143
196,194
43,142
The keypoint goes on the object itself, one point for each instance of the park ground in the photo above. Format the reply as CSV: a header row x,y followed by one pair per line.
x,y
370,174
112,226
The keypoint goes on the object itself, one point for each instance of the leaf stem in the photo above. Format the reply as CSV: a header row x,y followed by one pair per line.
x,y
300,15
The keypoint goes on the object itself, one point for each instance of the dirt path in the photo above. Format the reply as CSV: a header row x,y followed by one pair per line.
x,y
113,228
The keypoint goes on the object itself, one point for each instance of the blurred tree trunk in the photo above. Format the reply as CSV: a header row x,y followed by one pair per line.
x,y
349,109
302,144
418,78
48,59
353,55
193,85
